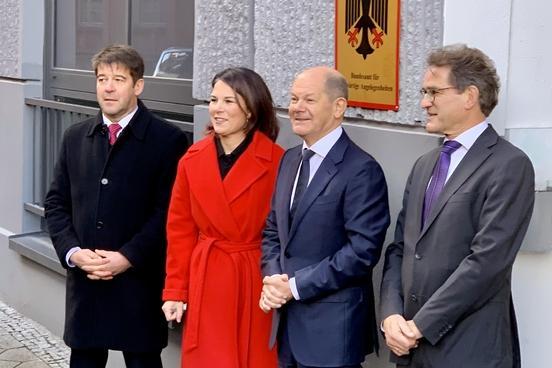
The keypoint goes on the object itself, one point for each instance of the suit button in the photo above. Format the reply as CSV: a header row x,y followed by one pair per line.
x,y
104,181
417,256
99,225
286,254
413,298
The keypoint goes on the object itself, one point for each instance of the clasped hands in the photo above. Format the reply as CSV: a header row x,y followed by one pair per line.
x,y
275,293
401,335
100,264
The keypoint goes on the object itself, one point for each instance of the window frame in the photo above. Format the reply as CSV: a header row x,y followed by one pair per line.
x,y
162,94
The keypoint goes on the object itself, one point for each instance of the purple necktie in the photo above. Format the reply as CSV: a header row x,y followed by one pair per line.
x,y
113,130
438,177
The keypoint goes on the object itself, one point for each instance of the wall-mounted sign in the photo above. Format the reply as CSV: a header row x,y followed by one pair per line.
x,y
367,51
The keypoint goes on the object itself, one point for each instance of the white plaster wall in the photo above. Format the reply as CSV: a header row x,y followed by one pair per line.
x,y
515,34
529,100
530,94
485,25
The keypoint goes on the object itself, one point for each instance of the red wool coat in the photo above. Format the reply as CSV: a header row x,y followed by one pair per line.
x,y
213,260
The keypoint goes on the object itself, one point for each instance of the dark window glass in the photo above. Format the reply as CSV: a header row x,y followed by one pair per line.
x,y
161,30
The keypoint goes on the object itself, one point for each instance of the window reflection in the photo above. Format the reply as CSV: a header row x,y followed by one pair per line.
x,y
161,30
164,29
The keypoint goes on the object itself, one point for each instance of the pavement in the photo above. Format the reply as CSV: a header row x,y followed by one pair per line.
x,y
26,344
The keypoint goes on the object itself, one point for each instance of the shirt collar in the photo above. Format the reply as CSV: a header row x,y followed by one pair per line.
x,y
238,150
325,144
124,121
468,138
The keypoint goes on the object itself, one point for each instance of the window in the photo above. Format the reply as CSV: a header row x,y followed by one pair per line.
x,y
161,30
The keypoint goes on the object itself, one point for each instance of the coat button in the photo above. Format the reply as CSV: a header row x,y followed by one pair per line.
x,y
104,181
286,254
99,225
417,256
413,298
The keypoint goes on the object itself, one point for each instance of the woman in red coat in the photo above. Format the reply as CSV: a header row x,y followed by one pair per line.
x,y
220,200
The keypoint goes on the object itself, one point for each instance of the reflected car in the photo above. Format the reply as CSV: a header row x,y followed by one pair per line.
x,y
175,62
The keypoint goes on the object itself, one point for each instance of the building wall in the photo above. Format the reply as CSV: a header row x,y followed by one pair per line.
x,y
512,33
278,39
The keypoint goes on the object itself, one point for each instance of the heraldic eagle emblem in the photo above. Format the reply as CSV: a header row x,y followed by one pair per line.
x,y
369,19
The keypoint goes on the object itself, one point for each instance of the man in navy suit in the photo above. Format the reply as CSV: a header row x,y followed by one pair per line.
x,y
324,234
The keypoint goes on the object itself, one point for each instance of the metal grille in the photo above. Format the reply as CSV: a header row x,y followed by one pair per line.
x,y
50,120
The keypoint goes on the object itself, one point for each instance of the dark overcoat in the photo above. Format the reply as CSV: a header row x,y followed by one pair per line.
x,y
115,198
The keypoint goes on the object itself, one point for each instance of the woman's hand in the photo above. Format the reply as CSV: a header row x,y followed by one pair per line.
x,y
174,310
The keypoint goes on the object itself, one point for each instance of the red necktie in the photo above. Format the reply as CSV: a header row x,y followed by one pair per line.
x,y
114,128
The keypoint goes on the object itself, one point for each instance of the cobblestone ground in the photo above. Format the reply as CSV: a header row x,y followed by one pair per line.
x,y
26,344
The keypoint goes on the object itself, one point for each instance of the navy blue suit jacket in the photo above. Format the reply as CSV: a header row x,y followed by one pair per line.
x,y
330,248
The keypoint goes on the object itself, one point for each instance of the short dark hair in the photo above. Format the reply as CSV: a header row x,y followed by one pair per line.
x,y
469,67
256,95
123,55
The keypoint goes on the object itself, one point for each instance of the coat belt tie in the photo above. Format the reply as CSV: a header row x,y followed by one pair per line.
x,y
204,246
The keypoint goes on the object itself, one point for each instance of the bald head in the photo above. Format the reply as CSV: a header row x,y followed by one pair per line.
x,y
318,102
334,83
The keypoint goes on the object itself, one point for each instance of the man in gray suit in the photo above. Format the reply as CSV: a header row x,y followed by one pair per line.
x,y
446,289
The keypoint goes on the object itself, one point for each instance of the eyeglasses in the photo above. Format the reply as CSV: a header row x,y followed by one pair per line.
x,y
430,93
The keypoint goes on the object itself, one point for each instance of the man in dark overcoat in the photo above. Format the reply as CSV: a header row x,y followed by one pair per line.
x,y
106,212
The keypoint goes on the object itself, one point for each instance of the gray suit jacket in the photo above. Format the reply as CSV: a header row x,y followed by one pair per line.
x,y
453,276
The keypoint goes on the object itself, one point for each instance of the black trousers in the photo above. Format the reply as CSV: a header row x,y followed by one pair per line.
x,y
97,358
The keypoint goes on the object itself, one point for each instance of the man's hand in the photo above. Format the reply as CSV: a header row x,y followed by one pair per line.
x,y
276,292
417,333
115,263
399,334
174,310
87,260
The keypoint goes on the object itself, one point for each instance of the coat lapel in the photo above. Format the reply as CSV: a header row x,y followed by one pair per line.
x,y
206,186
473,159
419,190
286,179
325,173
248,168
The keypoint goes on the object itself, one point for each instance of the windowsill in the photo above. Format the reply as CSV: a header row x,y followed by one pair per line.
x,y
37,247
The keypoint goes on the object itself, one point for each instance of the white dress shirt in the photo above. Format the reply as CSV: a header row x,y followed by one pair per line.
x,y
320,149
123,122
466,139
